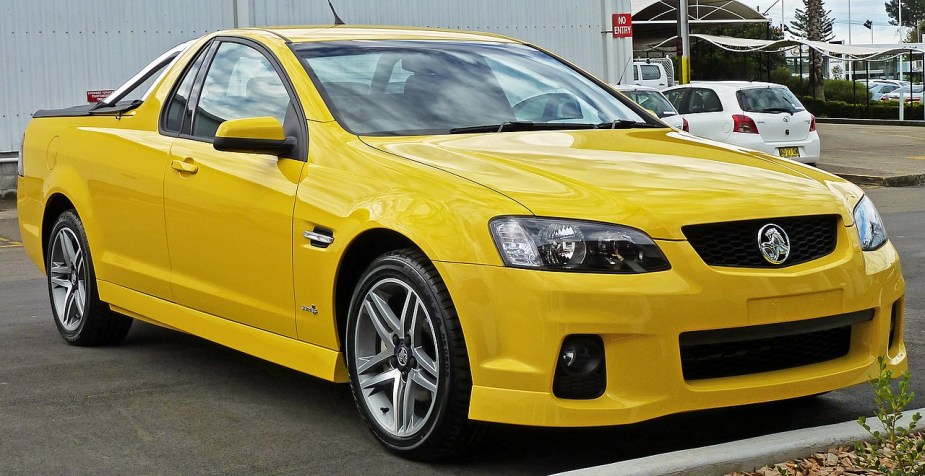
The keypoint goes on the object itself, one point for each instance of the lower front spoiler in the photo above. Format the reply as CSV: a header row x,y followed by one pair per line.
x,y
544,409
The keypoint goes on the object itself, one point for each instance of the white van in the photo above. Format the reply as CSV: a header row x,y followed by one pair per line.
x,y
650,74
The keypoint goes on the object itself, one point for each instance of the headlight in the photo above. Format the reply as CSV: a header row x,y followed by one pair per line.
x,y
572,245
869,225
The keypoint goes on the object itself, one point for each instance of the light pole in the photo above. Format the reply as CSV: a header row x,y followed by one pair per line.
x,y
850,63
900,57
685,42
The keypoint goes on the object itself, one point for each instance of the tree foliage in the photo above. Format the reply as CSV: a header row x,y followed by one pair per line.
x,y
800,26
711,63
913,12
815,24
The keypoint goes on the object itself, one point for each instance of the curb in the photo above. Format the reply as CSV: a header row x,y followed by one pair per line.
x,y
912,180
744,455
872,122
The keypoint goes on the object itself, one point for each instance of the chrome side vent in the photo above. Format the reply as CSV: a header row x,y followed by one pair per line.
x,y
319,237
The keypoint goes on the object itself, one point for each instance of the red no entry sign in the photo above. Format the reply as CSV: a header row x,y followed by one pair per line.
x,y
622,25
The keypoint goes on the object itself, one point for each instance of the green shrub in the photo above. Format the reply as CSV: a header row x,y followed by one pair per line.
x,y
781,76
846,91
896,451
875,110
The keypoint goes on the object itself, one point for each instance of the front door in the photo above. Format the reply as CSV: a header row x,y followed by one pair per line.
x,y
229,215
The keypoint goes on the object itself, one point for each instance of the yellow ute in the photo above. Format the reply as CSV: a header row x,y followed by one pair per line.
x,y
464,227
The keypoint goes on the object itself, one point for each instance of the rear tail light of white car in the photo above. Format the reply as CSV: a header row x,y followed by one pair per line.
x,y
685,126
744,124
812,123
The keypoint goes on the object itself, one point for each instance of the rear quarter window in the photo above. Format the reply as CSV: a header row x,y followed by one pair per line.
x,y
677,99
704,100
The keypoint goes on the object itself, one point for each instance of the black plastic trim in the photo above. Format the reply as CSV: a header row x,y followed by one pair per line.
x,y
738,334
88,110
255,146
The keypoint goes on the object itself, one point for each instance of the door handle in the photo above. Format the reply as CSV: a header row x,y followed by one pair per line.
x,y
185,165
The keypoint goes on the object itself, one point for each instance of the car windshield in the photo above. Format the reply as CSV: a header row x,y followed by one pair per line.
x,y
427,87
653,101
768,100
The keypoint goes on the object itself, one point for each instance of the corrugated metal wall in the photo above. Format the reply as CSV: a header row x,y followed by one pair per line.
x,y
571,28
53,51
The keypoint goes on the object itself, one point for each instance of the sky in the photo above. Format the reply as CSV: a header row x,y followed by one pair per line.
x,y
861,11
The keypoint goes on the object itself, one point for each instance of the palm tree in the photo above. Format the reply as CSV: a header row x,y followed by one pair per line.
x,y
814,24
815,16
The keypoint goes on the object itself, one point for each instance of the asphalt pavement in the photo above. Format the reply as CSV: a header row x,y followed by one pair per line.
x,y
886,155
164,402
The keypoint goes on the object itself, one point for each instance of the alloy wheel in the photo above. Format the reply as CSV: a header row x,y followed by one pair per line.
x,y
68,279
396,358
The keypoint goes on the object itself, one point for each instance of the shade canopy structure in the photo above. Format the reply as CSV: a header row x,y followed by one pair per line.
x,y
848,52
653,12
656,20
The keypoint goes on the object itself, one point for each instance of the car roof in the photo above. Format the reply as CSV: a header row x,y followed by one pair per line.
x,y
731,85
633,87
312,33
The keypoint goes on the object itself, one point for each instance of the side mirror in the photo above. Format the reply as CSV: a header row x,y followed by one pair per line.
x,y
255,135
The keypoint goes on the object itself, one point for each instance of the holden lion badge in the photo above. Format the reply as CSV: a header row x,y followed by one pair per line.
x,y
774,243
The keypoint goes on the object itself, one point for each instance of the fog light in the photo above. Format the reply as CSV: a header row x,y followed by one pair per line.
x,y
581,355
580,371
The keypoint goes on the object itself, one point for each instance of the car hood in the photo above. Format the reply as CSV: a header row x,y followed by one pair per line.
x,y
655,180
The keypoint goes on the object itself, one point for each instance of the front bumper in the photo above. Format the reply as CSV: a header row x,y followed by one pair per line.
x,y
515,321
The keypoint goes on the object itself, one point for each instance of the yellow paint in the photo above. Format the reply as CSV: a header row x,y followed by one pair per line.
x,y
8,243
266,128
211,243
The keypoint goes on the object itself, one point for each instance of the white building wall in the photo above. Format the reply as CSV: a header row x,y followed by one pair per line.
x,y
53,51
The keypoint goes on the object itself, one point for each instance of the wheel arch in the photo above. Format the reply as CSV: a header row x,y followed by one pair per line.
x,y
364,248
56,204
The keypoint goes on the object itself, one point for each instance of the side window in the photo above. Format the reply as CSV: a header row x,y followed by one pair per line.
x,y
240,83
676,98
704,100
178,111
635,73
650,72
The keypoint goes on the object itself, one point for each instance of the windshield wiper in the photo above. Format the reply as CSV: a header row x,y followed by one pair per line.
x,y
623,124
778,110
512,126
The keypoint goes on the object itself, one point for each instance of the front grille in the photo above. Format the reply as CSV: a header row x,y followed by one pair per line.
x,y
755,349
736,243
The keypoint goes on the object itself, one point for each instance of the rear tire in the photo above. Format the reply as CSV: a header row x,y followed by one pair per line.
x,y
409,370
81,318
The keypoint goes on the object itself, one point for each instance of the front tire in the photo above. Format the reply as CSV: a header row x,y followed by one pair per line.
x,y
409,370
81,318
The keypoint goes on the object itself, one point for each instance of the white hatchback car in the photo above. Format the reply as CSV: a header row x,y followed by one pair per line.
x,y
762,116
653,100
